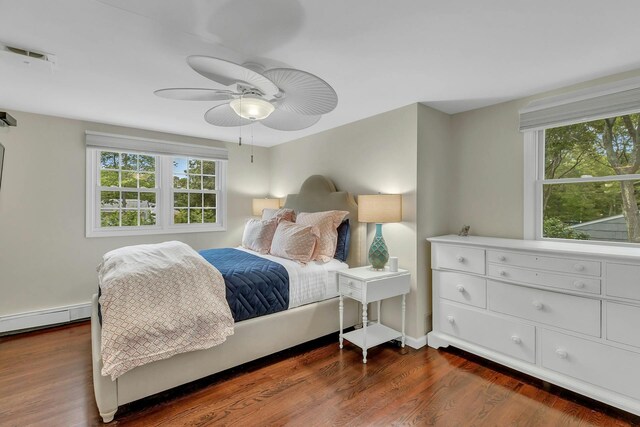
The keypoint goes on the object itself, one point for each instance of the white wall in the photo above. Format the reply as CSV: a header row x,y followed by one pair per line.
x,y
45,260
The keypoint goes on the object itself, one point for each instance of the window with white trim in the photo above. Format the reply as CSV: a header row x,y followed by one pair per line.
x,y
127,189
139,186
582,167
194,191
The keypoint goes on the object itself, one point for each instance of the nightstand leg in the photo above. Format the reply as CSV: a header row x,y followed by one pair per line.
x,y
341,309
364,333
379,315
404,308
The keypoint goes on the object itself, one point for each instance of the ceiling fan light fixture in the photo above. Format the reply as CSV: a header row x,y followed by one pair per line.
x,y
252,107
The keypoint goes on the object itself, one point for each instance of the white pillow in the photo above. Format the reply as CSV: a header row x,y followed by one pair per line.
x,y
258,234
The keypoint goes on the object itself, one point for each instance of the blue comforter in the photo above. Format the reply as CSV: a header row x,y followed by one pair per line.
x,y
255,285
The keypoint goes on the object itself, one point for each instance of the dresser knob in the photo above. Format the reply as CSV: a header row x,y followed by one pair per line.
x,y
450,319
503,273
350,283
562,354
502,258
460,258
460,288
516,339
538,305
578,267
578,284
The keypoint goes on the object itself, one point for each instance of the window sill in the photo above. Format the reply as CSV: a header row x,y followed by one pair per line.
x,y
590,242
153,231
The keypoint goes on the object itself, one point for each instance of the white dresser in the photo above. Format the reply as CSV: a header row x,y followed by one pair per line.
x,y
563,312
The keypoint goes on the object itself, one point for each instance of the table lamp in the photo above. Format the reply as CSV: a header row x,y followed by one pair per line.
x,y
261,204
378,209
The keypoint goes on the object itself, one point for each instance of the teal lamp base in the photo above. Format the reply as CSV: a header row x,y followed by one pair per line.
x,y
378,252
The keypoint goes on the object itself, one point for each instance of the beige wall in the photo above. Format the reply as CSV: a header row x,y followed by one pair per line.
x,y
486,172
487,168
434,197
394,152
45,260
373,155
452,170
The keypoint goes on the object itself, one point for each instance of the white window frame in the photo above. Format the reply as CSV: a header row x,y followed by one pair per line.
x,y
164,152
534,181
607,100
167,164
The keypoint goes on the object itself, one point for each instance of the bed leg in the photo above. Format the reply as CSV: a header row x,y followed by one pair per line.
x,y
106,390
107,417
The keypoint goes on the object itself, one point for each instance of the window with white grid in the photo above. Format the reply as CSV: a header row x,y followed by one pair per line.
x,y
194,191
132,191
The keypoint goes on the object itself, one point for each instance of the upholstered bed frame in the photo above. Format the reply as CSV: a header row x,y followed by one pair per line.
x,y
253,338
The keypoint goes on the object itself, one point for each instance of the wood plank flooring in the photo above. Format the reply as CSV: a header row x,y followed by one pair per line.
x,y
45,379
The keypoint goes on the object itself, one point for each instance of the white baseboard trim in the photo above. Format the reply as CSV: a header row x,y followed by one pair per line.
x,y
39,318
416,342
54,316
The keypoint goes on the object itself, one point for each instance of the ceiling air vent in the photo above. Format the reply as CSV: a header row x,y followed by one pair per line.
x,y
27,56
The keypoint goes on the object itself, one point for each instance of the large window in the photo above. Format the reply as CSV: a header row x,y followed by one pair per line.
x,y
588,185
133,190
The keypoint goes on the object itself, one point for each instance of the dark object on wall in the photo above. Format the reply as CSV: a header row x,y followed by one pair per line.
x,y
1,161
7,119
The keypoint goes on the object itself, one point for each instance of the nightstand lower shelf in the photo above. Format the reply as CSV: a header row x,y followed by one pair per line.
x,y
376,335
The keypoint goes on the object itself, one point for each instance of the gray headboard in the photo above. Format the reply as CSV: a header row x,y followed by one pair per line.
x,y
317,194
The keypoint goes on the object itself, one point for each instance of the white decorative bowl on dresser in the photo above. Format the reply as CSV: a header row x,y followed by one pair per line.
x,y
567,313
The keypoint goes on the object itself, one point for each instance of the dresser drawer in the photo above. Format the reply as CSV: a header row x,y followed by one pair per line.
x,y
623,280
505,336
459,258
623,323
351,287
562,265
563,311
553,280
592,362
461,287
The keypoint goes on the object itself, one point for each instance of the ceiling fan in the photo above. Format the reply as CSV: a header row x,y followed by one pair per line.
x,y
279,98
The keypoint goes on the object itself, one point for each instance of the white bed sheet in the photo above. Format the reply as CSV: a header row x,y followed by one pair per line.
x,y
309,283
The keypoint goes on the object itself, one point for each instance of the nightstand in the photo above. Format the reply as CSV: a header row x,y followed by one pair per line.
x,y
366,285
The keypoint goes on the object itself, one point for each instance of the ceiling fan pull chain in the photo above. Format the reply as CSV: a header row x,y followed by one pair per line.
x,y
240,125
251,142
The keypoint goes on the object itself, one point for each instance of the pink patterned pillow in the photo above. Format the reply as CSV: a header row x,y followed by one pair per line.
x,y
281,214
327,223
294,241
258,234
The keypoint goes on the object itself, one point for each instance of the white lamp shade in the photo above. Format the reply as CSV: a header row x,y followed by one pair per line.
x,y
251,107
261,204
379,208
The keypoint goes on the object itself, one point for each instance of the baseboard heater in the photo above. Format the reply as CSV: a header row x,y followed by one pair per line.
x,y
42,318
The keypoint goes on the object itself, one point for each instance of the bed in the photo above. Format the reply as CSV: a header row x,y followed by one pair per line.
x,y
254,337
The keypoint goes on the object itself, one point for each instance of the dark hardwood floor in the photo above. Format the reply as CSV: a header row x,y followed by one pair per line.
x,y
45,379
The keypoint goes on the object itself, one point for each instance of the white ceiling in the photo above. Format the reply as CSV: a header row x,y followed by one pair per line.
x,y
379,55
